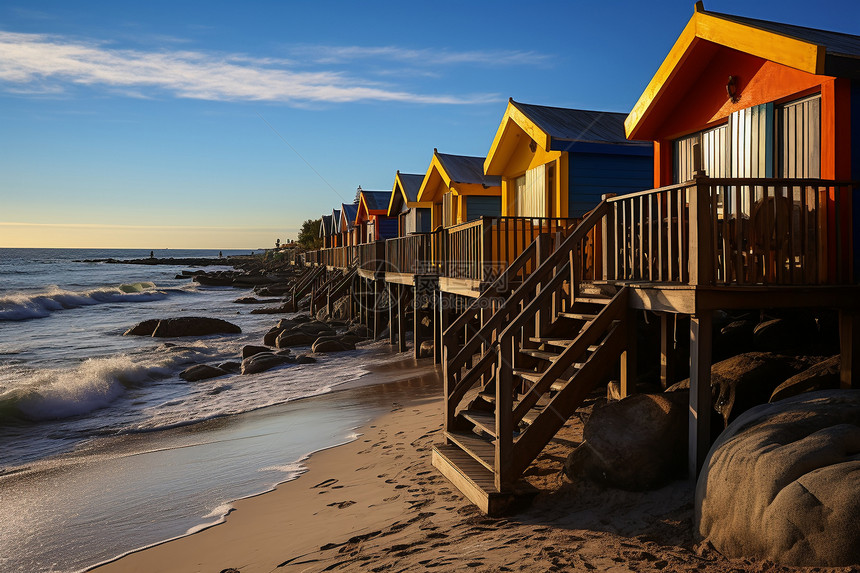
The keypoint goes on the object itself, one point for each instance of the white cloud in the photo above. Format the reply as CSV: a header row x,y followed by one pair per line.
x,y
40,63
424,57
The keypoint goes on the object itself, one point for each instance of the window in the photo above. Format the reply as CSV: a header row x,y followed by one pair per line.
x,y
530,193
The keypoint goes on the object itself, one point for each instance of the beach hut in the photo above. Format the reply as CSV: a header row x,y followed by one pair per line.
x,y
325,231
557,162
413,216
348,212
336,240
459,190
372,218
748,98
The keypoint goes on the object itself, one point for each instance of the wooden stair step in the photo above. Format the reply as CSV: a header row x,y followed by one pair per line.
x,y
473,480
560,342
530,375
542,354
578,315
484,421
481,450
592,299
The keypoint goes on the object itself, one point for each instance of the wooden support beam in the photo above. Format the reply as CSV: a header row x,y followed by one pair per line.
x,y
401,318
667,349
628,355
393,312
377,311
418,314
849,346
700,391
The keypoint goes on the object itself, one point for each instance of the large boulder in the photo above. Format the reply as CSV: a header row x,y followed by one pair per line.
x,y
328,344
201,372
287,339
145,328
781,483
193,326
251,349
262,362
638,443
821,376
746,380
786,334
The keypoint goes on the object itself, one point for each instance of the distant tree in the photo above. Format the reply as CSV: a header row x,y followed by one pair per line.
x,y
277,243
309,235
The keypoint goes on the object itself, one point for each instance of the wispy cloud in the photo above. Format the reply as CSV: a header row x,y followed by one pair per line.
x,y
35,62
424,57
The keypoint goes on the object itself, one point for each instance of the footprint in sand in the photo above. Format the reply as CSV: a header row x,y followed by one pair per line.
x,y
341,504
325,483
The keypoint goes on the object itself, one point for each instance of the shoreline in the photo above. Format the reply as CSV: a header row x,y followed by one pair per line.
x,y
402,380
377,504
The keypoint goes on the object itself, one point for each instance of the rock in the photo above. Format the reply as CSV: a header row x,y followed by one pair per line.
x,y
351,338
287,339
426,349
305,359
287,323
786,334
262,362
781,483
193,326
331,345
360,330
314,327
231,367
637,443
286,352
270,337
426,322
734,338
201,372
145,328
250,350
282,309
821,376
746,380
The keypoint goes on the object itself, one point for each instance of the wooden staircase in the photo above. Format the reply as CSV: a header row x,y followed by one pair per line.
x,y
515,381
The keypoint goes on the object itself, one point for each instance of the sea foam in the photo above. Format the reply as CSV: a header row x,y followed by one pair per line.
x,y
24,306
55,394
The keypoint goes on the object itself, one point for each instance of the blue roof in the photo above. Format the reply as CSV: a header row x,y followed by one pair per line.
x,y
325,227
376,200
575,126
335,220
350,210
411,185
467,169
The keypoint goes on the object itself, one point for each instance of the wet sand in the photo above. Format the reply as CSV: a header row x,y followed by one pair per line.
x,y
377,504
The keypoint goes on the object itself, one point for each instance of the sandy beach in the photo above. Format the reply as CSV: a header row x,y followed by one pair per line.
x,y
377,504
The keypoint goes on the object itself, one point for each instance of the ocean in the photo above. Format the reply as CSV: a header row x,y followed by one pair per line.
x,y
103,448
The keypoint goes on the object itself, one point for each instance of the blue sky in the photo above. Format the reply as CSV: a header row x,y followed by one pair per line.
x,y
224,124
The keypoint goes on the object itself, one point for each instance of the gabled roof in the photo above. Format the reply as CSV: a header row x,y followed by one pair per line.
x,y
461,171
375,201
405,192
818,52
335,221
348,213
560,129
466,169
325,227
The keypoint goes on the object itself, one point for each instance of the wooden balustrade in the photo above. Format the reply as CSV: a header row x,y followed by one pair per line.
x,y
371,257
731,232
410,254
484,248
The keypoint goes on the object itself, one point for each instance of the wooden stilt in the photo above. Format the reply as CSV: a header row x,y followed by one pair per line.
x,y
401,317
378,320
849,345
393,311
628,356
667,347
700,391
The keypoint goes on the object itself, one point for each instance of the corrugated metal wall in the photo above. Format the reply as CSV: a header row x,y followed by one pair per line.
x,y
751,136
714,153
591,175
800,138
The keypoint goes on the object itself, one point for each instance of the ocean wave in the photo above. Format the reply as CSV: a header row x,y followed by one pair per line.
x,y
24,306
95,383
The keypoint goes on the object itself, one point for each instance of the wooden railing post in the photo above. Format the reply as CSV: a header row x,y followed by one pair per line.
x,y
504,415
608,241
700,241
542,252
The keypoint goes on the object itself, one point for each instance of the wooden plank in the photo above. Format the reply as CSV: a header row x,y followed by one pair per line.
x,y
485,421
480,449
700,392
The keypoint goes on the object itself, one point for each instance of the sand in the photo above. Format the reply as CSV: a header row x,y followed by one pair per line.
x,y
377,504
